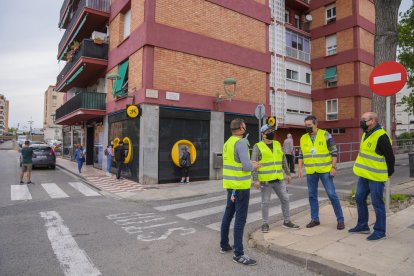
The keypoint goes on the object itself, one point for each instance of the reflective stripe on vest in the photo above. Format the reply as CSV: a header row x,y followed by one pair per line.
x,y
233,175
316,156
369,164
271,162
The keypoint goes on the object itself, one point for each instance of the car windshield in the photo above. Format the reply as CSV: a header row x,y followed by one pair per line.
x,y
41,148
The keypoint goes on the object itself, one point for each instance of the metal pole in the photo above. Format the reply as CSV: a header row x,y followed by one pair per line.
x,y
260,126
388,129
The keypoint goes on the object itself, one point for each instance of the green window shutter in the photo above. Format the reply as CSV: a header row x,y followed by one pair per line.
x,y
122,70
330,73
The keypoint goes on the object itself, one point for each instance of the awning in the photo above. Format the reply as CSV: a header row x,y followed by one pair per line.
x,y
122,71
330,73
73,37
74,75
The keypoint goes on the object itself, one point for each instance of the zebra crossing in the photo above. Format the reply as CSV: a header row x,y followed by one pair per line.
x,y
24,192
208,210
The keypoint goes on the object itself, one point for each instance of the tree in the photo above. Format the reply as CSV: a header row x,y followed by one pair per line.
x,y
11,129
385,46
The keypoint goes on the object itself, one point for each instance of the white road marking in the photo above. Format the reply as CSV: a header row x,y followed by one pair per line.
x,y
387,78
85,190
54,191
321,189
20,192
73,260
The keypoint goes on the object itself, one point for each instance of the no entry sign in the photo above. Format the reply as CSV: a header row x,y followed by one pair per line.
x,y
387,78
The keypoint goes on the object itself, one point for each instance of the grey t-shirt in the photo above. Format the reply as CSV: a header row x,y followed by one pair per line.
x,y
241,154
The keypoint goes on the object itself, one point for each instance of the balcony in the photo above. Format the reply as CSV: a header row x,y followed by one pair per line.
x,y
90,15
297,54
301,5
82,107
87,64
64,13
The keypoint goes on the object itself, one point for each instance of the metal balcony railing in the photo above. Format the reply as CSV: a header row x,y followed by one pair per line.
x,y
85,100
87,49
62,10
298,54
100,5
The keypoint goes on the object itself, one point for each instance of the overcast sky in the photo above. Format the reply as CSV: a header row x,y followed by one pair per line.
x,y
30,36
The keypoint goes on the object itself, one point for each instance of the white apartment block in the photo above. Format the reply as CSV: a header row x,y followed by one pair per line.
x,y
405,120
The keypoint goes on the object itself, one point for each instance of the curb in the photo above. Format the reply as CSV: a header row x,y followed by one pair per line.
x,y
79,176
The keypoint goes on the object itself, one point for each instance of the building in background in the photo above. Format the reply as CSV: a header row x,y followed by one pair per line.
x,y
404,120
52,101
4,114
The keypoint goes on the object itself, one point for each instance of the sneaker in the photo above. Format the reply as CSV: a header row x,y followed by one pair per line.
x,y
265,228
21,182
375,236
30,182
290,225
186,183
226,249
182,182
359,229
313,223
244,259
341,225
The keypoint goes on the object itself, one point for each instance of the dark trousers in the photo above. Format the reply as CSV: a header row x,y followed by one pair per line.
x,y
119,166
291,162
239,207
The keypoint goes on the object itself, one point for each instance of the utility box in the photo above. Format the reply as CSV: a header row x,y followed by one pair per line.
x,y
217,160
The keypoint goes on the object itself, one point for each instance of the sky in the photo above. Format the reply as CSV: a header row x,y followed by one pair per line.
x,y
30,36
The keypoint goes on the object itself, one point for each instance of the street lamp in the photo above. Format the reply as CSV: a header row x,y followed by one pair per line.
x,y
113,77
229,86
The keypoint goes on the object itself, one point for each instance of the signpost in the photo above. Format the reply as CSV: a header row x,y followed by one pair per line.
x,y
387,79
260,113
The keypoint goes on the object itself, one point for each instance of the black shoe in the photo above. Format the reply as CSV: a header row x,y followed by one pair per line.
x,y
226,249
290,225
243,259
21,182
361,230
375,236
30,182
313,223
265,228
341,225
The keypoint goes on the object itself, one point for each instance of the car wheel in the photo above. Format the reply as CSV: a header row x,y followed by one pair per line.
x,y
53,167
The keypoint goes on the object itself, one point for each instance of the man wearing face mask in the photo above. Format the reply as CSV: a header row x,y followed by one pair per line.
x,y
270,176
319,155
374,164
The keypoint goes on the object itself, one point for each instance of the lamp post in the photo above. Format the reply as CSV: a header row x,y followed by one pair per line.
x,y
113,77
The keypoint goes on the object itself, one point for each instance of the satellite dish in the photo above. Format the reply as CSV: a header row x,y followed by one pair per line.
x,y
308,17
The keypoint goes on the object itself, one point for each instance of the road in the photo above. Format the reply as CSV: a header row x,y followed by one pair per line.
x,y
62,226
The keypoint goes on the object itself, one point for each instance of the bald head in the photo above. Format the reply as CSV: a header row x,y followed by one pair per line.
x,y
370,116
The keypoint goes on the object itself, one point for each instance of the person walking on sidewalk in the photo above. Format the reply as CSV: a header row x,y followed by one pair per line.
x,y
319,155
270,176
79,157
26,162
185,163
119,158
109,156
374,164
289,152
237,169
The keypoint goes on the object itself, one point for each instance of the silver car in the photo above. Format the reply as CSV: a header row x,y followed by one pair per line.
x,y
43,156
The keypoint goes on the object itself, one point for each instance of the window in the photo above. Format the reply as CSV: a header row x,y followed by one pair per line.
x,y
308,78
331,77
121,86
292,75
294,42
127,23
297,21
330,13
332,109
287,15
330,45
336,130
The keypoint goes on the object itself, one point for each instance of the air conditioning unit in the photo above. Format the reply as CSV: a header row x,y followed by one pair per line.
x,y
99,36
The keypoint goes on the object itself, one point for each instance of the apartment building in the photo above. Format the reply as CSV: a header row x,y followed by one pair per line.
x,y
404,120
4,114
52,101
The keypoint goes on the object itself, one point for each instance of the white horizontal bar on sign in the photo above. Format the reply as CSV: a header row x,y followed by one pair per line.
x,y
85,190
54,191
387,78
20,192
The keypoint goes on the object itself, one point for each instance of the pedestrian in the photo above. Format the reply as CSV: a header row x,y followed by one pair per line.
x,y
270,176
26,162
374,164
319,156
119,158
79,157
289,152
109,156
185,163
237,169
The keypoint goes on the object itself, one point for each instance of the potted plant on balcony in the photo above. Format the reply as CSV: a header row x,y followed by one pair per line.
x,y
75,45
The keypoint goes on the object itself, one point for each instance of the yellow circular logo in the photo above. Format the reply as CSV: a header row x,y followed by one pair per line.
x,y
271,121
132,111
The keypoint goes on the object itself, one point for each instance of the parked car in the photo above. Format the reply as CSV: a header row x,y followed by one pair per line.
x,y
43,156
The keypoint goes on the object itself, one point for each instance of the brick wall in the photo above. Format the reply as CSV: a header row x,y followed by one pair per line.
x,y
135,70
346,108
318,18
263,2
180,72
211,20
116,31
366,40
345,74
367,10
318,81
365,105
319,110
365,72
345,40
109,83
343,9
318,48
137,13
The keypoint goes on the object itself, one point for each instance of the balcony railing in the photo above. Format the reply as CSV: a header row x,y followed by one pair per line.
x,y
99,5
85,100
62,10
87,49
298,54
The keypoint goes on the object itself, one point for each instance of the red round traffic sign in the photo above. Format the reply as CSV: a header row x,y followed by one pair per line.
x,y
387,78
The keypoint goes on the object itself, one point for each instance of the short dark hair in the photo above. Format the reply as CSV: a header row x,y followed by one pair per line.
x,y
235,124
27,143
313,118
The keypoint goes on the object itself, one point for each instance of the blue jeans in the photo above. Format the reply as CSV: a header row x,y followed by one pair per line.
x,y
80,163
327,181
240,207
108,163
364,187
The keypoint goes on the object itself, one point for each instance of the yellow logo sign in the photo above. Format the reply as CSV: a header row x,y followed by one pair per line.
x,y
271,121
132,111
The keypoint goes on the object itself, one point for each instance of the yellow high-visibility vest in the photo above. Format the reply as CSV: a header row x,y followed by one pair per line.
x,y
369,164
271,162
233,175
316,156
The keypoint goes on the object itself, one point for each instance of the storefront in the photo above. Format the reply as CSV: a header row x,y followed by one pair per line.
x,y
98,142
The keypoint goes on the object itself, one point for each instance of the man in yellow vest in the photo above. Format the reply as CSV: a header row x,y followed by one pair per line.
x,y
270,177
374,164
237,169
318,155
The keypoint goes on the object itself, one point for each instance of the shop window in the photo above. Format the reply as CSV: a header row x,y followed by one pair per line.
x,y
332,109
